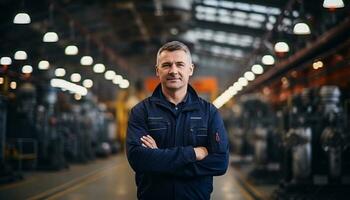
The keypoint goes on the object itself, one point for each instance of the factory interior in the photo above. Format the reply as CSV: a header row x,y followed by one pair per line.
x,y
277,71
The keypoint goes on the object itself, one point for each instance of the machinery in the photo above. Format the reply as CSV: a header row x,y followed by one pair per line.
x,y
264,140
255,135
7,173
51,142
314,142
21,140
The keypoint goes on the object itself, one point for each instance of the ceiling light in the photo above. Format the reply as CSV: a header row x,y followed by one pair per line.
x,y
21,18
333,4
257,69
174,31
44,65
237,86
124,84
88,83
99,68
50,37
86,60
318,64
71,50
281,47
232,90
117,79
77,97
1,80
109,75
27,69
75,77
13,85
301,28
21,55
268,60
249,76
5,61
59,72
242,81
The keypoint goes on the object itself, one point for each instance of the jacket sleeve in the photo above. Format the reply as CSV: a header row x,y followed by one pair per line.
x,y
216,163
143,159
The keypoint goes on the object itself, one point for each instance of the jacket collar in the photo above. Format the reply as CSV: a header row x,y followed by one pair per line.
x,y
191,100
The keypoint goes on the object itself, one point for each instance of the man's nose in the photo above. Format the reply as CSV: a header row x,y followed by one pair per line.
x,y
173,69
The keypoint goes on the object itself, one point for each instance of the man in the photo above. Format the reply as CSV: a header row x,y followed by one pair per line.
x,y
176,141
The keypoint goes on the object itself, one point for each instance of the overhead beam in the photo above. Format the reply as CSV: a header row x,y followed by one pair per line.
x,y
230,9
229,28
213,43
332,38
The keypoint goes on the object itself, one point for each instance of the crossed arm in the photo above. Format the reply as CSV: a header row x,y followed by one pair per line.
x,y
149,142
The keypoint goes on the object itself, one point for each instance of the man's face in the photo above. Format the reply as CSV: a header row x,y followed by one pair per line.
x,y
174,69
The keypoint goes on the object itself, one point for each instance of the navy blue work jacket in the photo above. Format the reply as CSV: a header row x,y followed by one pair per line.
x,y
171,172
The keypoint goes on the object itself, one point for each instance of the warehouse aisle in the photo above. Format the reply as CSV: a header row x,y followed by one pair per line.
x,y
105,179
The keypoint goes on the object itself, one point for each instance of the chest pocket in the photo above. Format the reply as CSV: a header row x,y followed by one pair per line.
x,y
158,129
198,131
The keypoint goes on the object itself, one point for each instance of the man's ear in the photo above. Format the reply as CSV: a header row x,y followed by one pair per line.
x,y
191,69
157,73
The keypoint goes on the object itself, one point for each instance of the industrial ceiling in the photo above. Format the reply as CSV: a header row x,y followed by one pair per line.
x,y
226,37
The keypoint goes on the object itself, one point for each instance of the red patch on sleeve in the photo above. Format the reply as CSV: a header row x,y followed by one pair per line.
x,y
217,137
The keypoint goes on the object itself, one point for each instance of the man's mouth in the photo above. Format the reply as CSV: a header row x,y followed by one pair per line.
x,y
173,79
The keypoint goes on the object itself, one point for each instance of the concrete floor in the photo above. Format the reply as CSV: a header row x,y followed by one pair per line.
x,y
105,179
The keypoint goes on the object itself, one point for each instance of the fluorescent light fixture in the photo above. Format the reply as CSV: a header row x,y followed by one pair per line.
x,y
99,68
109,75
59,72
75,77
22,18
1,80
86,60
44,65
5,61
50,37
333,4
27,69
88,83
301,28
257,69
66,85
268,60
281,47
21,55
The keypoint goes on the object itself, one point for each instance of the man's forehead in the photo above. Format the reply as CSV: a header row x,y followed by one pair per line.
x,y
177,56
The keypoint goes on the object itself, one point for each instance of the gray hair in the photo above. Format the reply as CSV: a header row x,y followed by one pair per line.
x,y
174,46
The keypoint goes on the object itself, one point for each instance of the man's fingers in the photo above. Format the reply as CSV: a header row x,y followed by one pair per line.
x,y
148,136
149,141
146,142
152,141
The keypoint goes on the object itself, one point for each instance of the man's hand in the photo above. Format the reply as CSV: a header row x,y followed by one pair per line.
x,y
148,142
201,152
